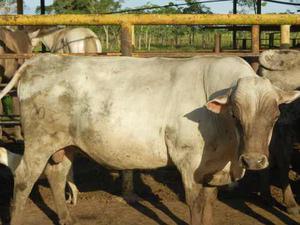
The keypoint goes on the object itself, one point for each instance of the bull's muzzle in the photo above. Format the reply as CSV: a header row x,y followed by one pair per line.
x,y
254,161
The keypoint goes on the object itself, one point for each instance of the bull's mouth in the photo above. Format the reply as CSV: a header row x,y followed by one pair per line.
x,y
254,161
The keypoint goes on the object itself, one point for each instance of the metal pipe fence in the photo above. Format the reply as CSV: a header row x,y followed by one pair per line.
x,y
127,22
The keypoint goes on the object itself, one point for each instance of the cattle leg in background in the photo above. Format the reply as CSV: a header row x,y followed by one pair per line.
x,y
283,160
128,192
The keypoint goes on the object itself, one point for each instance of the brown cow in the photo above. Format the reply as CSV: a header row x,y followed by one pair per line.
x,y
12,42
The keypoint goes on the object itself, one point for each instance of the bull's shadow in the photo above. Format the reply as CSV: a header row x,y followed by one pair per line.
x,y
96,178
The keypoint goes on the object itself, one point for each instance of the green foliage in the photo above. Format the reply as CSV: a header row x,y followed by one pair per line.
x,y
8,6
246,5
83,6
194,7
7,103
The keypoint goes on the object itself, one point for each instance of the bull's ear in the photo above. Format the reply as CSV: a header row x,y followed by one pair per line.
x,y
288,96
34,34
218,104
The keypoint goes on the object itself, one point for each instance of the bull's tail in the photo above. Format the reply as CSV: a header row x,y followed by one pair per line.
x,y
13,81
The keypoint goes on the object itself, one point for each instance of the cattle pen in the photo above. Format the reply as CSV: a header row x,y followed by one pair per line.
x,y
127,22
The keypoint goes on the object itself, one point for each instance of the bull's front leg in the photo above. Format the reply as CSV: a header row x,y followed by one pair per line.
x,y
200,201
201,205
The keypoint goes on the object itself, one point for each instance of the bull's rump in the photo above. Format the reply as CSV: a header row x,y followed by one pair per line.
x,y
117,107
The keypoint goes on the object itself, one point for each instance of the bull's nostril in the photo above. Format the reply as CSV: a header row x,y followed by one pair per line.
x,y
244,162
261,161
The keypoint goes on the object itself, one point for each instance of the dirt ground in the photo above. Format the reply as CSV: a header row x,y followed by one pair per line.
x,y
162,200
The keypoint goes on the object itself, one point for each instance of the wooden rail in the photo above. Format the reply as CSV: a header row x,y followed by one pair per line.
x,y
137,54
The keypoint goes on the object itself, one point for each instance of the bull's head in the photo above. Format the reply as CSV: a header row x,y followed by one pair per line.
x,y
253,105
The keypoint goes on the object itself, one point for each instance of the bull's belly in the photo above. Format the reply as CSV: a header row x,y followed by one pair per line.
x,y
126,156
124,151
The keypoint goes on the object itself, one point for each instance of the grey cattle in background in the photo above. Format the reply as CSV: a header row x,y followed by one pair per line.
x,y
67,40
12,160
211,117
282,68
12,42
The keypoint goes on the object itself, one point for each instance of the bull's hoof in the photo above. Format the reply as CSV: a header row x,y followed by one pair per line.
x,y
69,221
69,199
131,198
293,210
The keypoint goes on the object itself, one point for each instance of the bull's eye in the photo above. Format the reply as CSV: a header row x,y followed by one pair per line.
x,y
233,115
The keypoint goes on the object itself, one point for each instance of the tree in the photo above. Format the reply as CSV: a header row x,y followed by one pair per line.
x,y
194,7
8,6
83,6
248,5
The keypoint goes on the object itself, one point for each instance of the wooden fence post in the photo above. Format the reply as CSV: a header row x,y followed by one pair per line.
x,y
133,37
255,45
126,39
271,40
244,43
285,36
20,11
217,43
294,42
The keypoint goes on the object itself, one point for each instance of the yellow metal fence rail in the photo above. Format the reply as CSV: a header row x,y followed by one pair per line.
x,y
150,19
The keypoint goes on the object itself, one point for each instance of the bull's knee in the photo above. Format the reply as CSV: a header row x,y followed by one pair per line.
x,y
58,156
21,186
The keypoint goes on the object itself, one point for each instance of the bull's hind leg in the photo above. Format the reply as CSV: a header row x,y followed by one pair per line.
x,y
26,174
57,175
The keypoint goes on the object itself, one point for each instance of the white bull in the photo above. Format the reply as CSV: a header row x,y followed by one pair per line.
x,y
211,117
